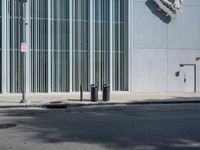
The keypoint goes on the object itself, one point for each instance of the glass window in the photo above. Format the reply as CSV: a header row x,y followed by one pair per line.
x,y
80,46
60,63
101,36
60,9
39,45
57,52
0,47
13,66
120,45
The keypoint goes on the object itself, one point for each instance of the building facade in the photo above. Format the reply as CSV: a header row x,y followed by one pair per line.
x,y
158,46
129,44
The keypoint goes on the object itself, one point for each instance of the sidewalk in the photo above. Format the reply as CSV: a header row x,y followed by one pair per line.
x,y
117,98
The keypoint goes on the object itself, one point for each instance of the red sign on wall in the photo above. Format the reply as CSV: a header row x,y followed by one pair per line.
x,y
24,47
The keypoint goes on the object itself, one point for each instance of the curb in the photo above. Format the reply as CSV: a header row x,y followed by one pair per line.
x,y
67,105
21,106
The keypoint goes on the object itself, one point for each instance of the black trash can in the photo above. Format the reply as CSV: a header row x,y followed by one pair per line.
x,y
106,92
94,92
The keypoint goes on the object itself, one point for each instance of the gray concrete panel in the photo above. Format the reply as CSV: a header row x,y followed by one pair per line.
x,y
184,31
149,70
149,31
159,47
191,2
185,2
175,58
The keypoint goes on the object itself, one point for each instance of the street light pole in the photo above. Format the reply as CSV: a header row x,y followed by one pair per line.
x,y
23,48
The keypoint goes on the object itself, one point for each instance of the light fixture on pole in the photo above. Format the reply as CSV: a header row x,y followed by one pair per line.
x,y
197,58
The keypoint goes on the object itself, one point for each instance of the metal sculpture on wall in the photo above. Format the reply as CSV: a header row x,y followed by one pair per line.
x,y
171,7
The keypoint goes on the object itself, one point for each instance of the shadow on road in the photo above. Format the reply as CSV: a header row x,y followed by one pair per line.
x,y
139,127
6,126
175,100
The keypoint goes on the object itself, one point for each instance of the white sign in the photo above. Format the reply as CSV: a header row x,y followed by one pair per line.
x,y
24,47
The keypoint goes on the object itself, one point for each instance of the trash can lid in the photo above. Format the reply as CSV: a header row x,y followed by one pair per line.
x,y
106,85
93,85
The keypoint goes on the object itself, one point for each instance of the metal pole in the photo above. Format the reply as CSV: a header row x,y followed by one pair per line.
x,y
195,78
81,92
23,47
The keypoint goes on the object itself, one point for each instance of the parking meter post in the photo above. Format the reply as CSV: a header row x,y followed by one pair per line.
x,y
81,93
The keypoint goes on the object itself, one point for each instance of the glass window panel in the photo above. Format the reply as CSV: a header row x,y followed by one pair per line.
x,y
102,53
0,71
101,8
39,73
13,8
0,8
80,10
120,45
60,9
60,71
0,46
0,33
80,47
81,70
13,64
14,71
59,47
80,36
102,68
39,46
38,8
60,35
39,34
0,53
101,36
60,60
119,10
60,56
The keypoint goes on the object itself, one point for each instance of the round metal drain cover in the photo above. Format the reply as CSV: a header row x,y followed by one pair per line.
x,y
56,105
9,125
56,102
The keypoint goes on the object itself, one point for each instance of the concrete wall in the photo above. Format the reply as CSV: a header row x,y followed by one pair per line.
x,y
158,46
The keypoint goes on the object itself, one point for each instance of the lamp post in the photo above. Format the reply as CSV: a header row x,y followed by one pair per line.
x,y
23,47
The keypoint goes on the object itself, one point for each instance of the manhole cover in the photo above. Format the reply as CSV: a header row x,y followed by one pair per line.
x,y
5,126
56,102
56,105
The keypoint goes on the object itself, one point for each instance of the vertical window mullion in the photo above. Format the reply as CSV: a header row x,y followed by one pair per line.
x,y
4,37
111,43
71,42
49,84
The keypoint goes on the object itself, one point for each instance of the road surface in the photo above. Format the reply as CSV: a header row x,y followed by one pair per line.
x,y
134,127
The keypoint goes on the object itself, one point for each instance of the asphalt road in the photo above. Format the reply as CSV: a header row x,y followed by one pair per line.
x,y
136,127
